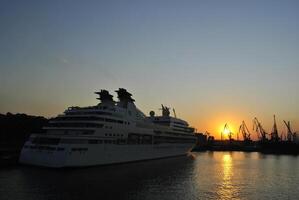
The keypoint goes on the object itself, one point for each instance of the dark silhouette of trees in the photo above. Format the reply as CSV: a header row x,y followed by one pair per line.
x,y
16,128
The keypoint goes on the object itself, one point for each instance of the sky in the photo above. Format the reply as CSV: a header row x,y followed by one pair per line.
x,y
215,62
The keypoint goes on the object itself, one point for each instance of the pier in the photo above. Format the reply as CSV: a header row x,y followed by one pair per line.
x,y
208,143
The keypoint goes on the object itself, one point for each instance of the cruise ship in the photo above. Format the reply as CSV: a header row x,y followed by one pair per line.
x,y
110,132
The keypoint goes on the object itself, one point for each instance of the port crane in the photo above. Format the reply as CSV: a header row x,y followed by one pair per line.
x,y
290,135
261,133
274,133
227,131
245,132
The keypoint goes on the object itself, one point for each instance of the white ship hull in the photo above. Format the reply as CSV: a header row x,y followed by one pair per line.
x,y
99,154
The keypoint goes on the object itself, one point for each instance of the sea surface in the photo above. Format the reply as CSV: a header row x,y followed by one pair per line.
x,y
209,175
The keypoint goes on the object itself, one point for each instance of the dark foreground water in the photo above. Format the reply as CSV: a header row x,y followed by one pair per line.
x,y
218,175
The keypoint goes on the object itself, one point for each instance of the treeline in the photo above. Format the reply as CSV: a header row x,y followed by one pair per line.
x,y
16,128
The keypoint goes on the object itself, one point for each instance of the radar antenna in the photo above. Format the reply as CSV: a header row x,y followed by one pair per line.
x,y
165,111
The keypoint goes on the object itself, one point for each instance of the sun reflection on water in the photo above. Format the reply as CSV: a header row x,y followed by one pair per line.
x,y
227,190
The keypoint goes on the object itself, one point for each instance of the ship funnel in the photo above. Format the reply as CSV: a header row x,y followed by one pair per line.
x,y
105,97
124,97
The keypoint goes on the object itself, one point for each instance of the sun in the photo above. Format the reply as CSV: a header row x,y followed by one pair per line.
x,y
226,131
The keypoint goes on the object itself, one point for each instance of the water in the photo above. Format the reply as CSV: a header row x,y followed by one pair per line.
x,y
218,175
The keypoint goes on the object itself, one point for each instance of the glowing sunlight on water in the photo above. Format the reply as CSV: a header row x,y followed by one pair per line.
x,y
226,189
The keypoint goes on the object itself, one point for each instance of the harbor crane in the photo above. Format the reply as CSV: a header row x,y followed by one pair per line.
x,y
261,133
290,135
274,133
227,131
245,132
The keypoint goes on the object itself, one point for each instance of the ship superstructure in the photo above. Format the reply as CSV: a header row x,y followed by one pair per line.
x,y
110,132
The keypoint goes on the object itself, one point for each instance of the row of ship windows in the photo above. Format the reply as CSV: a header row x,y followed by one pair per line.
x,y
87,132
110,134
178,134
181,123
78,125
56,141
88,113
186,131
148,139
163,139
90,118
70,132
86,125
164,123
44,148
157,120
49,148
185,128
178,128
117,141
132,139
40,145
76,108
173,133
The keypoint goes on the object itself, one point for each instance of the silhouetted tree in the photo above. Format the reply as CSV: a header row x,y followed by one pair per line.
x,y
16,128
